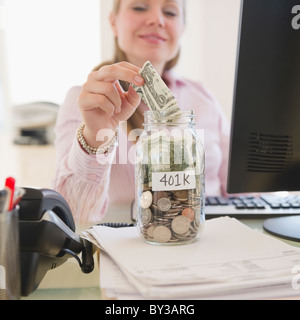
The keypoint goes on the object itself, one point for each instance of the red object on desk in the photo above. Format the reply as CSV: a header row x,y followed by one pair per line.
x,y
10,186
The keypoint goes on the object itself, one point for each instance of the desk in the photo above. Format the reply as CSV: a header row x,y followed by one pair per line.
x,y
27,164
68,283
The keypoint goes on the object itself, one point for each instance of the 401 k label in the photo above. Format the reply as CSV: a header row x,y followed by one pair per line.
x,y
173,181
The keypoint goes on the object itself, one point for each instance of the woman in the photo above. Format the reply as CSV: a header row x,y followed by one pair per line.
x,y
144,30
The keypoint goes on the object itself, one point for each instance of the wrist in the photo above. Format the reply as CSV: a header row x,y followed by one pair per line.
x,y
90,144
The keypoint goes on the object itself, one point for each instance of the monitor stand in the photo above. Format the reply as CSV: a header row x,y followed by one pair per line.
x,y
287,228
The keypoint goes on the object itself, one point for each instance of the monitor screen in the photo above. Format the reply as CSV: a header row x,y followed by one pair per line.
x,y
265,137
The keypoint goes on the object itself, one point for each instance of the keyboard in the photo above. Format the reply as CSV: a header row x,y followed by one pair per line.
x,y
252,207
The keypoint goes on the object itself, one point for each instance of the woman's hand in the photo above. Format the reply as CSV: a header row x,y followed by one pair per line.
x,y
102,101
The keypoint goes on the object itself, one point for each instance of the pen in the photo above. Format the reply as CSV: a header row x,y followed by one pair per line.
x,y
10,187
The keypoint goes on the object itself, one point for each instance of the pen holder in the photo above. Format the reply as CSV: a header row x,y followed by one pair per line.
x,y
10,278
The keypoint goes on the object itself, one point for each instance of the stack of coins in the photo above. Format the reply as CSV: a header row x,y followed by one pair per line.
x,y
170,217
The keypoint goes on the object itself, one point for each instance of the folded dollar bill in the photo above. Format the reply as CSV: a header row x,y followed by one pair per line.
x,y
156,94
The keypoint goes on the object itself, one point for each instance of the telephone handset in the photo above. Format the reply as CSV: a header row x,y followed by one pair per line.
x,y
47,237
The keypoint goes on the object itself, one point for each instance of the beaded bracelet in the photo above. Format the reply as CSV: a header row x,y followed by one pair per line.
x,y
101,150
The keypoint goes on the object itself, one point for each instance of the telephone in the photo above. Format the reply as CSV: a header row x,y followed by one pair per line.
x,y
47,237
34,122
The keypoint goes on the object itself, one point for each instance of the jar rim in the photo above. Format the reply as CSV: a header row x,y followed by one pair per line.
x,y
185,113
185,118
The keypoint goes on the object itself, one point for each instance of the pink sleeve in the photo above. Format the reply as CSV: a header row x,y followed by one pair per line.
x,y
79,177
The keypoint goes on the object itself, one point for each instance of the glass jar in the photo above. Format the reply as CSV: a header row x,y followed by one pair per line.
x,y
170,181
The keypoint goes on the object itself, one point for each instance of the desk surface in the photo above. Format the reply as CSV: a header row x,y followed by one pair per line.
x,y
69,283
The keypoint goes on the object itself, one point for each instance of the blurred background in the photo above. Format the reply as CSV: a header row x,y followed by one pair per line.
x,y
48,46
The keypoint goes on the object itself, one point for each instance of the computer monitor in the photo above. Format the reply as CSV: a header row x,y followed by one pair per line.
x,y
265,136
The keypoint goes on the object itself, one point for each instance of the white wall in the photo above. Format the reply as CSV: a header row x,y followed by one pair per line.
x,y
4,97
209,46
221,50
51,45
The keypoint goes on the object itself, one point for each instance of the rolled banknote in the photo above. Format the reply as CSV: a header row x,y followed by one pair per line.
x,y
156,94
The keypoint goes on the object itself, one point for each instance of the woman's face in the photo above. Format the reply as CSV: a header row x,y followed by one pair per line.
x,y
149,30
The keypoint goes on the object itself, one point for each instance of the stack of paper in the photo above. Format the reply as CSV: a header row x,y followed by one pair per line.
x,y
230,260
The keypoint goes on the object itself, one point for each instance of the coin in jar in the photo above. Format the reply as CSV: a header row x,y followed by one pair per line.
x,y
158,195
146,200
146,216
164,204
162,234
150,231
181,195
189,213
181,225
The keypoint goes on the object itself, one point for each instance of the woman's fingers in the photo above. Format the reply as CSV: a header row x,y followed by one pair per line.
x,y
107,89
120,71
132,97
93,101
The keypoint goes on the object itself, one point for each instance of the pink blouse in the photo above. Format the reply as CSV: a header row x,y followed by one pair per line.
x,y
89,184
